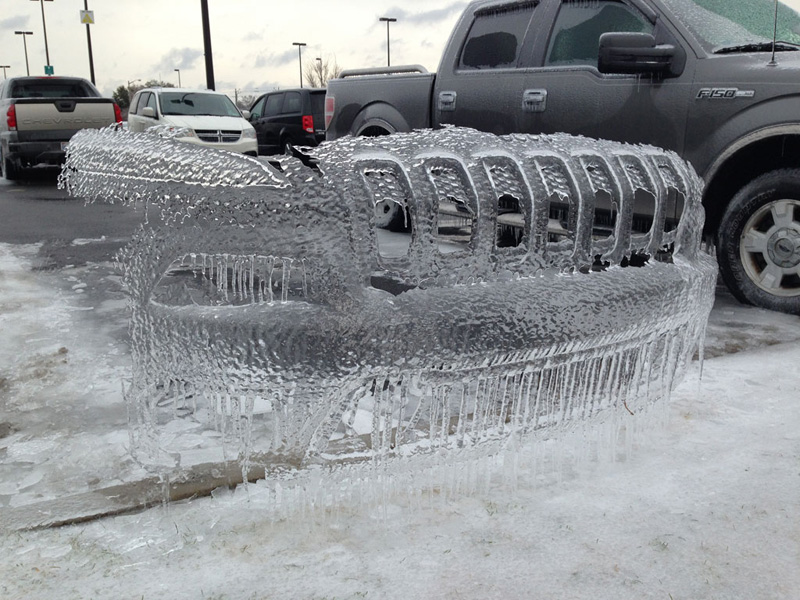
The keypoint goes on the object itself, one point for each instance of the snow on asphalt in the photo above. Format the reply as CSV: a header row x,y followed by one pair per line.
x,y
707,506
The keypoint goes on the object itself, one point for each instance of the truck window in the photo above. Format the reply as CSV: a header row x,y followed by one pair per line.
x,y
51,88
292,103
575,39
495,37
274,104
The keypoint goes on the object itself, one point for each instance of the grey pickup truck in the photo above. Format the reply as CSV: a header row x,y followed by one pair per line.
x,y
716,81
39,115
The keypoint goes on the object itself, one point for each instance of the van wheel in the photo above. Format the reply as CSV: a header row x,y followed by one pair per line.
x,y
8,169
758,242
286,146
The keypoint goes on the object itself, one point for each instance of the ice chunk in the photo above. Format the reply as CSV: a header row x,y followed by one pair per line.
x,y
544,282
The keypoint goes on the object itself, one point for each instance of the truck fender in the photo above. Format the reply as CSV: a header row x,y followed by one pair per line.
x,y
756,140
745,141
379,115
738,132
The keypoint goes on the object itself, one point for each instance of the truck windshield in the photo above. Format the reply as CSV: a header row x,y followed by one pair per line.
x,y
725,26
197,103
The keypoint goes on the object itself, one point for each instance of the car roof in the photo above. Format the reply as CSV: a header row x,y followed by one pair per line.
x,y
158,89
305,89
47,77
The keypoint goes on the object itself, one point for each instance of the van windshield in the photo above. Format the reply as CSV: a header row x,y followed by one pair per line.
x,y
725,26
197,103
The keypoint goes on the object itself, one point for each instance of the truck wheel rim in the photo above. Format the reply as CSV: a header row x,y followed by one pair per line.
x,y
770,248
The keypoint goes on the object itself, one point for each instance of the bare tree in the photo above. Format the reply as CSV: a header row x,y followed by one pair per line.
x,y
320,71
150,83
245,101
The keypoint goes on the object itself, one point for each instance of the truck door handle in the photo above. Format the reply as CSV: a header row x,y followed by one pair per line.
x,y
447,101
534,100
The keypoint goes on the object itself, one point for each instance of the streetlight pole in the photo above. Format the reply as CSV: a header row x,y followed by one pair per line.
x,y
89,42
44,29
388,20
300,58
24,35
178,71
4,67
207,45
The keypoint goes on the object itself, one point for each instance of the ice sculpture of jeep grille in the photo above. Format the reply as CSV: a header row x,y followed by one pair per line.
x,y
533,284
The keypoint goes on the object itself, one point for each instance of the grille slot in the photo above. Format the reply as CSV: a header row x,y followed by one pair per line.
x,y
217,136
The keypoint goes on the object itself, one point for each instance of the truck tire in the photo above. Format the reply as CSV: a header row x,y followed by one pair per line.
x,y
758,242
390,215
8,169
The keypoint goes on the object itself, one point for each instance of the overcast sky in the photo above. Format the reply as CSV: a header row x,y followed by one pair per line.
x,y
251,39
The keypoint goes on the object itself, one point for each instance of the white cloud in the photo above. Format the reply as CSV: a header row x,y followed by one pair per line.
x,y
179,58
14,23
251,39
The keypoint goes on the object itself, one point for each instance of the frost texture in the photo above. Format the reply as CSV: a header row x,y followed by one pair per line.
x,y
530,297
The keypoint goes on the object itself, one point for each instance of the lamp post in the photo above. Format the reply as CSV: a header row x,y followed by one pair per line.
x,y
24,35
44,30
207,45
178,71
300,58
4,67
88,40
388,20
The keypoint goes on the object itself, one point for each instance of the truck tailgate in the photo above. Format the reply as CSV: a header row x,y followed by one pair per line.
x,y
65,115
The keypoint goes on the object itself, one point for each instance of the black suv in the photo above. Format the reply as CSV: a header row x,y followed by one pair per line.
x,y
288,118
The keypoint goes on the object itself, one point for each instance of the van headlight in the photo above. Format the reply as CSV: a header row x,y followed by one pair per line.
x,y
249,133
181,132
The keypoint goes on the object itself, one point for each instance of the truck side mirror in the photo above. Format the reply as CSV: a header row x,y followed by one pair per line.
x,y
149,111
634,53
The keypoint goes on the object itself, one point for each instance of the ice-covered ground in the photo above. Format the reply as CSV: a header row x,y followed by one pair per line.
x,y
707,507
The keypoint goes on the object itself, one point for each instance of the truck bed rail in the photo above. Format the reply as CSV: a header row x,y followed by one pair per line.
x,y
383,71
